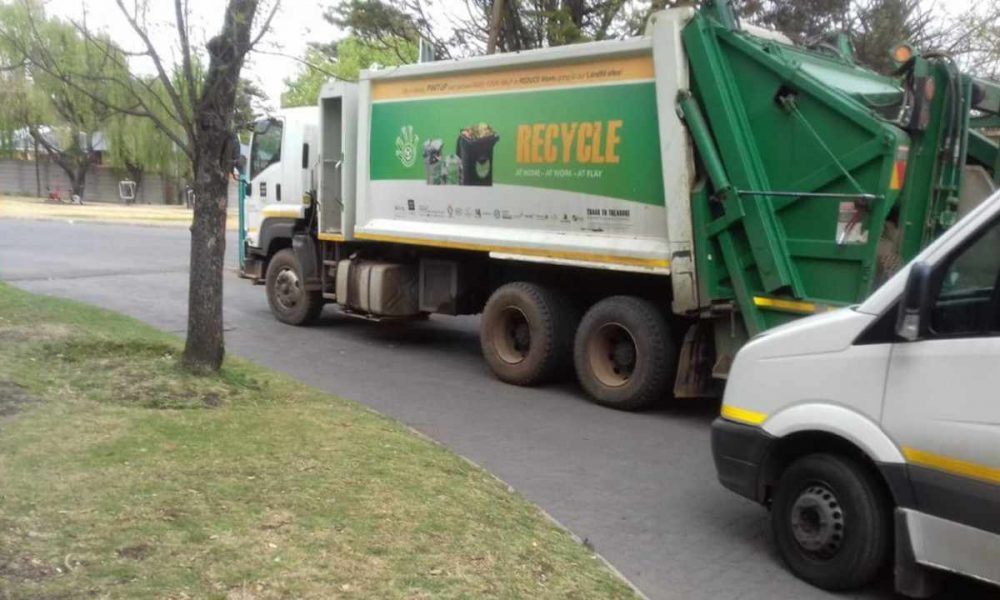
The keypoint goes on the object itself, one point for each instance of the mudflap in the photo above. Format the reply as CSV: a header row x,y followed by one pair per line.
x,y
253,268
694,365
910,578
306,253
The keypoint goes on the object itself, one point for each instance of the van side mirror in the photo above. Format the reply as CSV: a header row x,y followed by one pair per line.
x,y
247,188
915,306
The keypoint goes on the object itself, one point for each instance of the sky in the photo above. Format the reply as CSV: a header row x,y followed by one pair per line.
x,y
296,23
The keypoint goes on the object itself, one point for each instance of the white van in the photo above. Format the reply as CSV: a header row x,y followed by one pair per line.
x,y
873,432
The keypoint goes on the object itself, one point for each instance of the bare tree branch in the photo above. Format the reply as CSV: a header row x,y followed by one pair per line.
x,y
180,9
303,61
168,86
266,26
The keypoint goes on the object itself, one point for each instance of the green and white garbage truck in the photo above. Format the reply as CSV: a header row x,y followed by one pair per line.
x,y
633,209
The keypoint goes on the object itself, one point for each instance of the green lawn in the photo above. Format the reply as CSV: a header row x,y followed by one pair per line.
x,y
123,477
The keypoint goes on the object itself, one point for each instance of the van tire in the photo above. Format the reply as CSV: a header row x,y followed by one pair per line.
x,y
853,539
624,353
526,333
290,302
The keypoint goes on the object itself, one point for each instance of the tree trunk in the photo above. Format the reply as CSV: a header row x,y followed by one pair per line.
x,y
495,16
79,179
205,346
73,163
212,163
38,173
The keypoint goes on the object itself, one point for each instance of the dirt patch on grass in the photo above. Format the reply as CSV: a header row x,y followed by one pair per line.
x,y
141,374
23,569
13,397
139,551
33,333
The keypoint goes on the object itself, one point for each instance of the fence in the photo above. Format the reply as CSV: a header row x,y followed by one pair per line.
x,y
17,177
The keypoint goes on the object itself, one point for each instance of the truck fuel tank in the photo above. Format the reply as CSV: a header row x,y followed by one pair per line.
x,y
378,288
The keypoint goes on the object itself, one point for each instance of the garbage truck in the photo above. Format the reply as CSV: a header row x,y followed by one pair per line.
x,y
631,210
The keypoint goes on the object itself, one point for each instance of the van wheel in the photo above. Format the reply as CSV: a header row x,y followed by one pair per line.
x,y
526,333
831,522
624,354
286,294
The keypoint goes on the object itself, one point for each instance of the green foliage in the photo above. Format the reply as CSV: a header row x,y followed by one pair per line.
x,y
72,114
136,146
800,21
873,26
250,103
525,24
342,60
22,105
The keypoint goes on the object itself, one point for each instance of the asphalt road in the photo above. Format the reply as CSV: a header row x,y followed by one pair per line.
x,y
640,488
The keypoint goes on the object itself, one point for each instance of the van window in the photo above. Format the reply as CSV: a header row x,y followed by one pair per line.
x,y
266,145
968,300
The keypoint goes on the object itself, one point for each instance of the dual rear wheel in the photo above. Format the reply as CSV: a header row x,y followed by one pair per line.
x,y
622,349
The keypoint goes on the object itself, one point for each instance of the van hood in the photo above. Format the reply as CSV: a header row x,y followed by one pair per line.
x,y
824,332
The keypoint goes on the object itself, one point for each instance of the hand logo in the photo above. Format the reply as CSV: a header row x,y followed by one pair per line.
x,y
406,146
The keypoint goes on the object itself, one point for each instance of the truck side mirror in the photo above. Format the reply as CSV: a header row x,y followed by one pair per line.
x,y
914,309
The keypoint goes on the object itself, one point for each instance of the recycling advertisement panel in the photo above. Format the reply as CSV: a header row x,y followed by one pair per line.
x,y
571,146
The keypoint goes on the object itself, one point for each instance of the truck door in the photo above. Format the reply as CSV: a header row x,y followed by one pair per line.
x,y
264,174
942,403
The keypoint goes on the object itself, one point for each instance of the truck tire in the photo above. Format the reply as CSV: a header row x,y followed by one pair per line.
x,y
831,522
526,333
289,300
624,353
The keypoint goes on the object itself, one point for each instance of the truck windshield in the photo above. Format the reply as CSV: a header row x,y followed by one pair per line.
x,y
266,145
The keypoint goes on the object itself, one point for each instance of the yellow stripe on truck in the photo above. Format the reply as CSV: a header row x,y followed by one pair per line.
x,y
795,306
591,72
742,415
952,466
290,212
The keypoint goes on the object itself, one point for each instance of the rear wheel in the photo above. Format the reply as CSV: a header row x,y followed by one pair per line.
x,y
624,354
286,294
831,522
526,333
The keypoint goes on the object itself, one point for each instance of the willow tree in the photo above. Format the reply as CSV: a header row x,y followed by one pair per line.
x,y
196,113
74,118
137,148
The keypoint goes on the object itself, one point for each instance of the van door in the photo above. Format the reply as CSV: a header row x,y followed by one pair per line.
x,y
942,404
264,174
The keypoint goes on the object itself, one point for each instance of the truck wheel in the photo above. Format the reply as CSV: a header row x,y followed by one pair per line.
x,y
526,333
831,522
624,354
290,302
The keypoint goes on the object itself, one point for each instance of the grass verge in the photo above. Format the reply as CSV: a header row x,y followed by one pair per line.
x,y
17,207
123,477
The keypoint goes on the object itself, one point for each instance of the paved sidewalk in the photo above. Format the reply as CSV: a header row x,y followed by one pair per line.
x,y
18,207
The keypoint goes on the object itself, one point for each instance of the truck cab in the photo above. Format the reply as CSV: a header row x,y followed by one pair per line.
x,y
283,149
872,433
